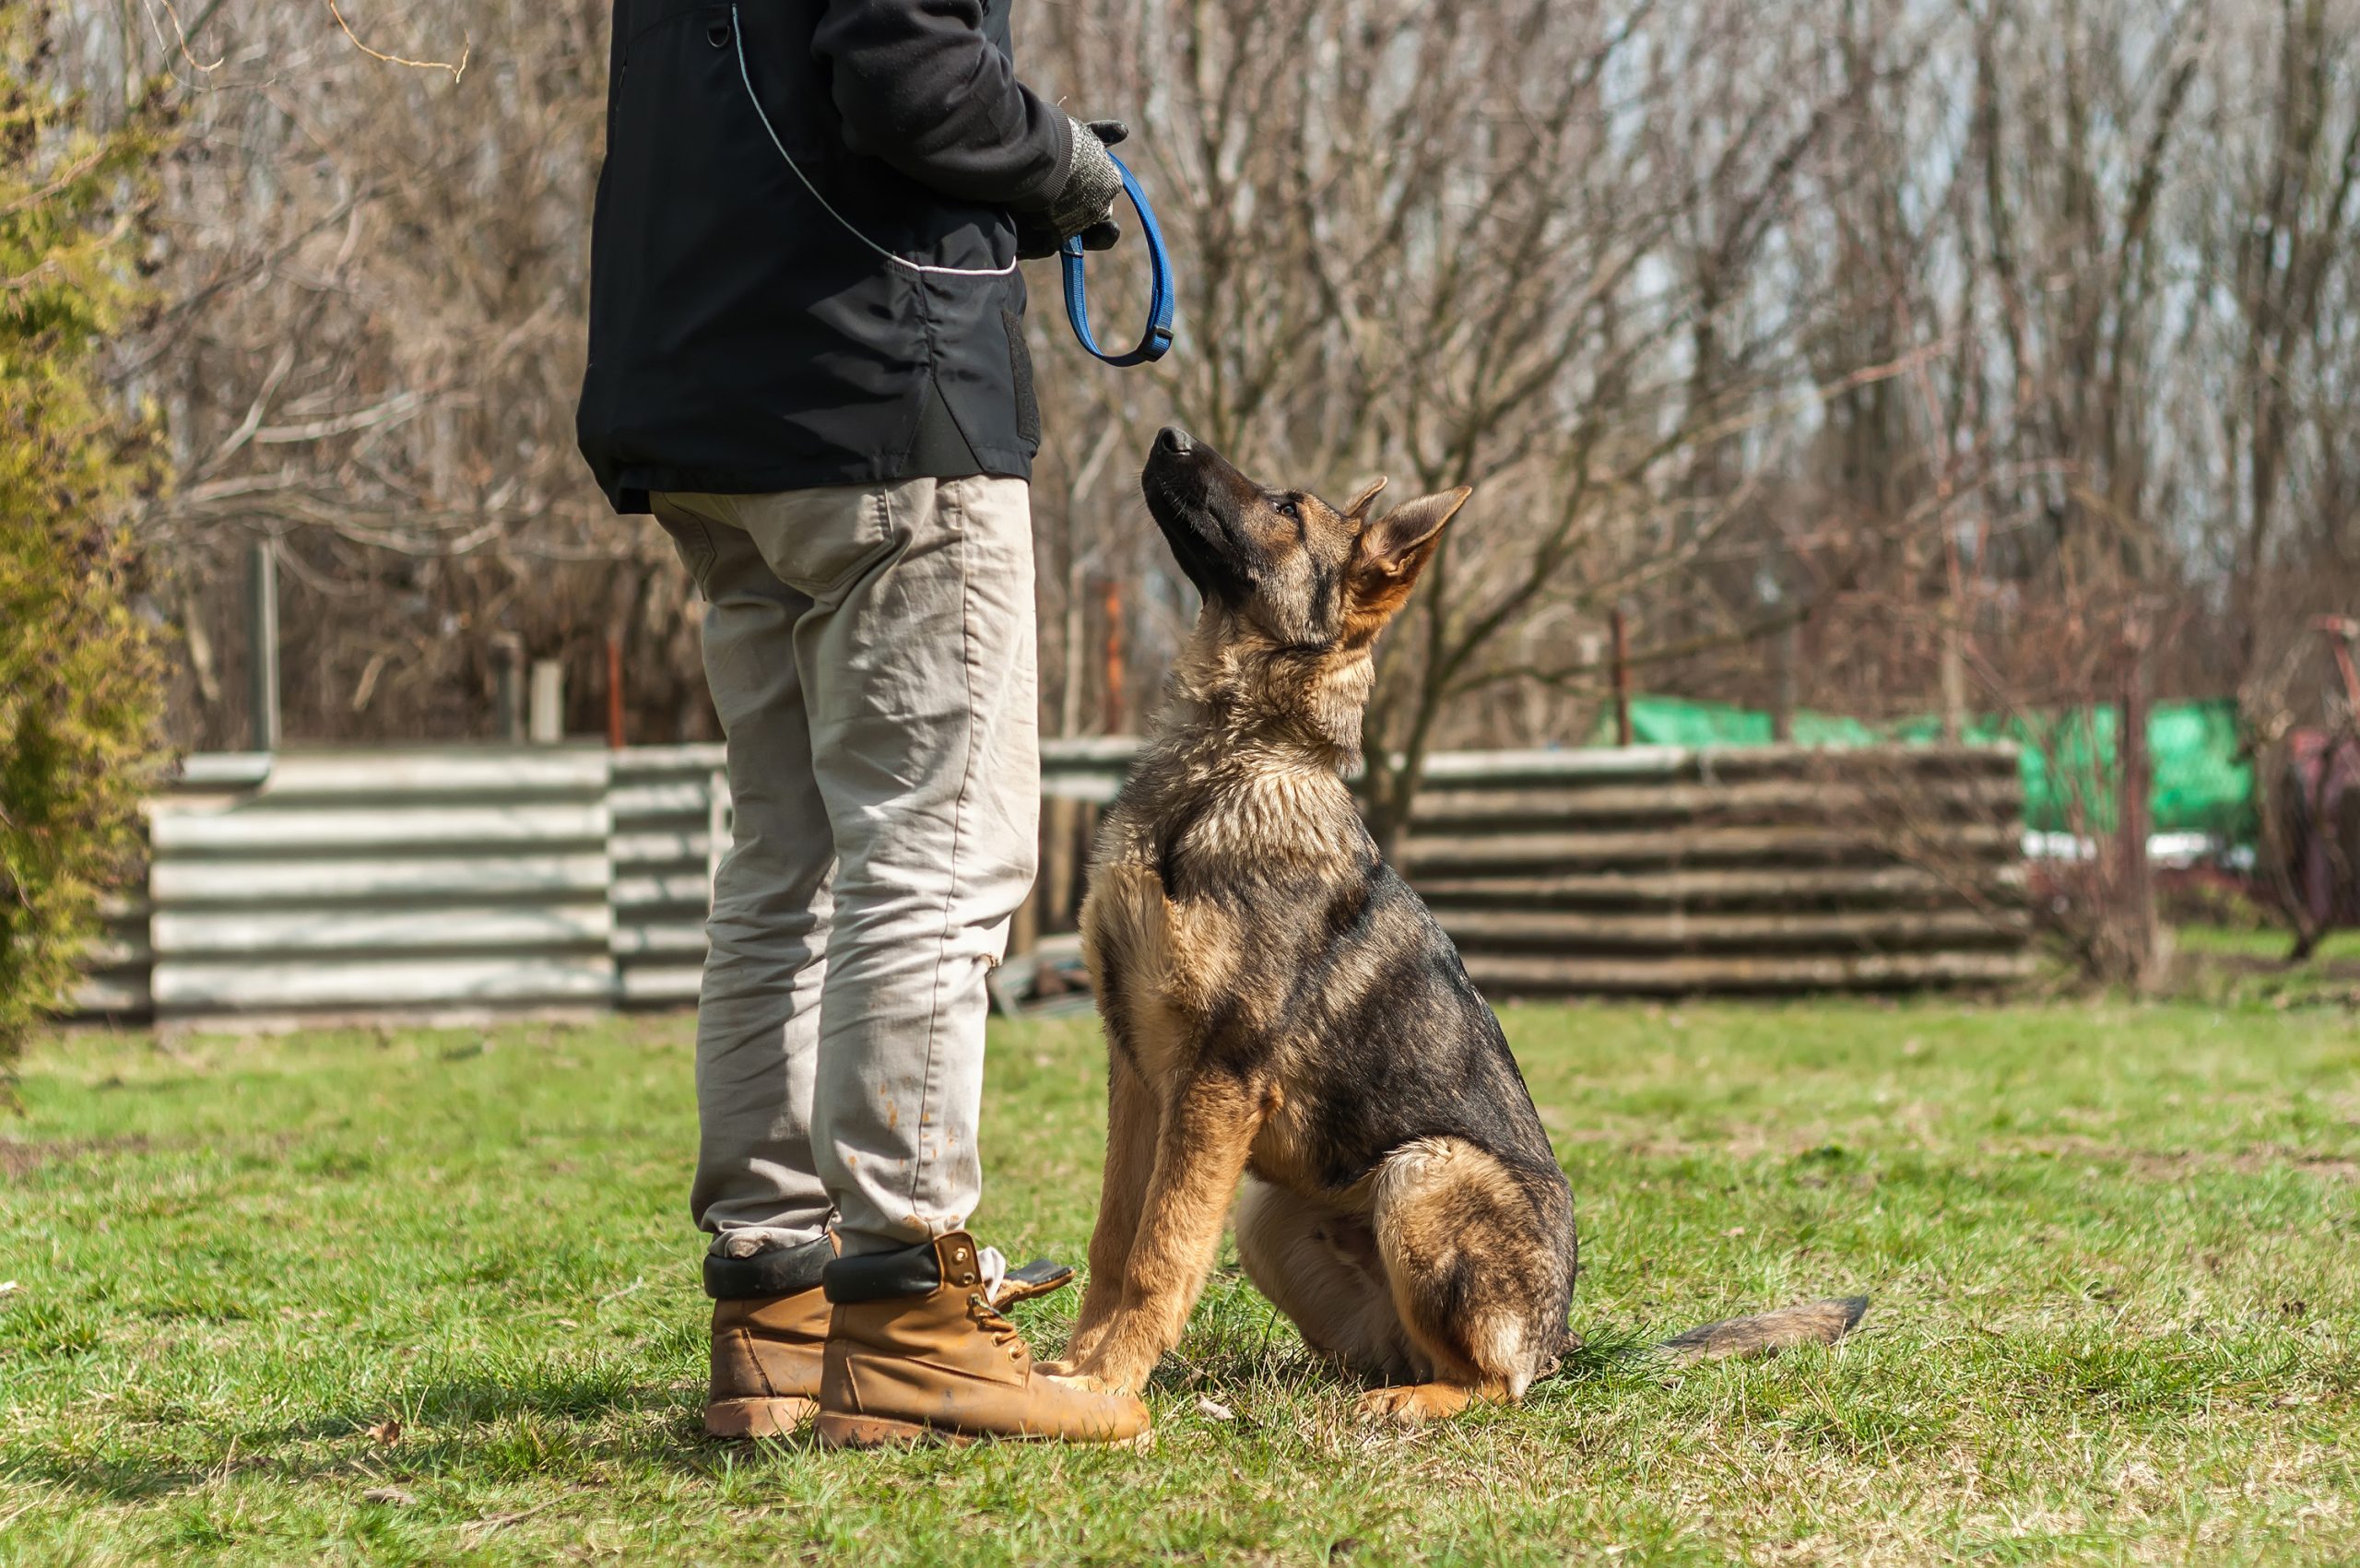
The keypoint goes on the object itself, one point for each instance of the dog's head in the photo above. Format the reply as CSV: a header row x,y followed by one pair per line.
x,y
1284,565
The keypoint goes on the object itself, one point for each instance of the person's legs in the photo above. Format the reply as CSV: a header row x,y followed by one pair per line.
x,y
914,658
758,1016
917,659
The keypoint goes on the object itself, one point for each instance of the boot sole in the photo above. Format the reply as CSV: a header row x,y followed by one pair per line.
x,y
883,1432
758,1418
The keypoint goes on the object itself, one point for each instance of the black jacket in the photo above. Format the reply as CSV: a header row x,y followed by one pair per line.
x,y
741,339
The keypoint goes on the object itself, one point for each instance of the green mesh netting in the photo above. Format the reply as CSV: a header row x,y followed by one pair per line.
x,y
2201,785
1674,721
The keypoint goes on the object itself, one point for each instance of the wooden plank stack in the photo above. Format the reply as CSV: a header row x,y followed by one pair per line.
x,y
1773,868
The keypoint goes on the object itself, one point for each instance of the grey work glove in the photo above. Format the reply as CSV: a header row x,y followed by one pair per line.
x,y
1084,204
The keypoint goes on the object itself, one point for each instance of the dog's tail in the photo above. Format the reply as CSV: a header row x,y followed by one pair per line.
x,y
1765,1333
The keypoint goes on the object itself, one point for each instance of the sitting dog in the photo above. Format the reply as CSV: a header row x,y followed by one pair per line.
x,y
1280,1007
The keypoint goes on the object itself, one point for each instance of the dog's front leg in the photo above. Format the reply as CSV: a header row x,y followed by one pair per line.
x,y
1131,1129
1200,1154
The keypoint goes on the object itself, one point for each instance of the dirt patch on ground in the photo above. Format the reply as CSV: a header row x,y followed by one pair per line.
x,y
21,1159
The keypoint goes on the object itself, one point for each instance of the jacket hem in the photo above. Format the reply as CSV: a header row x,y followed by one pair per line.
x,y
628,489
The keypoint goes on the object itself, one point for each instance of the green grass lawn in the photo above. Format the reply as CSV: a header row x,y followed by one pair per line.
x,y
431,1295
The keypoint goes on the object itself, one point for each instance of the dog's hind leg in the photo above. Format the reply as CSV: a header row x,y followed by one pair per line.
x,y
1132,1128
1476,1275
1318,1264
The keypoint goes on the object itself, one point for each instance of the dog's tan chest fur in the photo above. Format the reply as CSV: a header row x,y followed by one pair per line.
x,y
1169,962
1162,964
1185,953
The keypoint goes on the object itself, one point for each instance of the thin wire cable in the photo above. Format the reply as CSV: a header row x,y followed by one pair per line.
x,y
738,40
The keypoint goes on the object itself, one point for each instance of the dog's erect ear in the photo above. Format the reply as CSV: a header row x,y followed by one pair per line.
x,y
1357,508
1398,543
1393,549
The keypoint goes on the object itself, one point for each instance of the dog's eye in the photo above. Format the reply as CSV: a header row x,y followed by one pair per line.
x,y
1289,509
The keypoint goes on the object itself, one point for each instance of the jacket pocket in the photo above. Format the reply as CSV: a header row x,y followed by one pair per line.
x,y
1020,375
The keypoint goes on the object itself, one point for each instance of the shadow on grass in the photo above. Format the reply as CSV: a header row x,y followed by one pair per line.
x,y
483,1428
506,1423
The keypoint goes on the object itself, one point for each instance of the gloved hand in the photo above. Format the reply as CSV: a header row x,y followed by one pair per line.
x,y
1084,204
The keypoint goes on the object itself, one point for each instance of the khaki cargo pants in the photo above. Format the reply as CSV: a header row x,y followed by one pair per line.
x,y
870,650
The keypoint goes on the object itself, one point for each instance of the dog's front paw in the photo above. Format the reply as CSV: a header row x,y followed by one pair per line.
x,y
1080,1379
1113,1373
1414,1403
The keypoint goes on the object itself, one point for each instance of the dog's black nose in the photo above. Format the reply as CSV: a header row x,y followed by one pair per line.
x,y
1175,440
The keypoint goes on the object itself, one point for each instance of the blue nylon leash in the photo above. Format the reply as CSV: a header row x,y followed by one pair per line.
x,y
1153,344
1157,340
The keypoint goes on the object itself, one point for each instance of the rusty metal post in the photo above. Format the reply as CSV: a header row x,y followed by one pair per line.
x,y
1114,712
1060,821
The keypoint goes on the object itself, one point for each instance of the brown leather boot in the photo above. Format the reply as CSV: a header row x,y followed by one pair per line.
x,y
916,1353
770,1323
766,1364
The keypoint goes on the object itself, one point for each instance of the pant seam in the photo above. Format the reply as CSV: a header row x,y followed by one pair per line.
x,y
742,1170
929,1091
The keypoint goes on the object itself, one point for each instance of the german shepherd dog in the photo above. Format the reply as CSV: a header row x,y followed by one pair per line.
x,y
1280,1007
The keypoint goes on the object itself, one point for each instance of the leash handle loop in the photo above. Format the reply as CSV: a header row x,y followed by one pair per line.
x,y
1157,340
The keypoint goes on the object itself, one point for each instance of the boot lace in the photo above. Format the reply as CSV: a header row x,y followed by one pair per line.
x,y
992,1269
